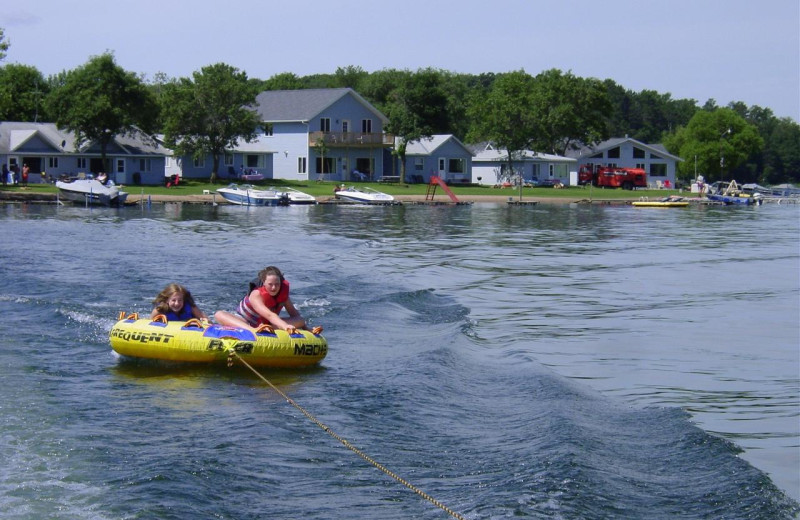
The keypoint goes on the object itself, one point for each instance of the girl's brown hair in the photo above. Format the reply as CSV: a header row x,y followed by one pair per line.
x,y
160,302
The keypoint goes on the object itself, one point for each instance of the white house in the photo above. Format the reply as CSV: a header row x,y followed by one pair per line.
x,y
490,166
625,152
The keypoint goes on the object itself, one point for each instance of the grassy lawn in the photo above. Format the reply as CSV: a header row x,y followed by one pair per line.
x,y
325,188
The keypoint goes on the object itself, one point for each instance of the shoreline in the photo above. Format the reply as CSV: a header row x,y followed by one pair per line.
x,y
136,199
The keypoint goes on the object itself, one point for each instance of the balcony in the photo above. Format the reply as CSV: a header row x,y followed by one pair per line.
x,y
351,139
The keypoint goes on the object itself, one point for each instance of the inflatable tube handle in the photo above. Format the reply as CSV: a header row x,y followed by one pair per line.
x,y
159,318
194,322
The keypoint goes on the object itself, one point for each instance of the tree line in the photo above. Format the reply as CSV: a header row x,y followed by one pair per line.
x,y
551,112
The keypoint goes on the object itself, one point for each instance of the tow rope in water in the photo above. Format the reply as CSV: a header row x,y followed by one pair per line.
x,y
232,353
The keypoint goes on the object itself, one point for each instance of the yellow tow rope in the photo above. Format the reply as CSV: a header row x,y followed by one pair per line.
x,y
233,354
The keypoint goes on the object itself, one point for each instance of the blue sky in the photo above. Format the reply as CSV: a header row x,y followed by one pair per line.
x,y
728,50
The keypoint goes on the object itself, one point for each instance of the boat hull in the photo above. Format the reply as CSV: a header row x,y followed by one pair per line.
x,y
191,342
250,197
91,192
731,200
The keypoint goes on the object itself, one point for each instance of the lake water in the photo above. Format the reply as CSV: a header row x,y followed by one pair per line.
x,y
550,361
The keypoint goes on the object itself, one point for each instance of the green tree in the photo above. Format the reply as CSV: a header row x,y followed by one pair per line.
x,y
282,81
22,93
209,113
350,76
416,109
505,115
568,111
4,44
716,141
100,100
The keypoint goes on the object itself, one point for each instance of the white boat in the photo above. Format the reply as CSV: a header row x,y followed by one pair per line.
x,y
249,195
298,197
91,191
363,195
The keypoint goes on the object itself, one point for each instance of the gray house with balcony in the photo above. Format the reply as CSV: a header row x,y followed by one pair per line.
x,y
311,134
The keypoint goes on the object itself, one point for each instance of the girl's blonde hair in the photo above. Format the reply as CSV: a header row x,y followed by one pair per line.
x,y
160,302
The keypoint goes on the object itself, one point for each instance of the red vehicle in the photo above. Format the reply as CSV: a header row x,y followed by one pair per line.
x,y
604,176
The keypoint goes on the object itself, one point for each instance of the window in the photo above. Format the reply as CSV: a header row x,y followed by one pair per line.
x,y
52,162
419,164
144,165
81,163
325,124
252,160
120,166
658,170
228,161
638,153
456,166
301,165
613,153
199,162
324,165
366,126
267,129
640,166
345,126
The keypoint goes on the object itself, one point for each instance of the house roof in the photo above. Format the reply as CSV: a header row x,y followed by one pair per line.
x,y
489,154
585,151
303,105
15,134
428,145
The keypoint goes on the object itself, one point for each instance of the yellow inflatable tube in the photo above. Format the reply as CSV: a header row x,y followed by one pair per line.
x,y
193,341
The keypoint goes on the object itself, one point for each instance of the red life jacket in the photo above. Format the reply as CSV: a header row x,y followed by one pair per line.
x,y
275,303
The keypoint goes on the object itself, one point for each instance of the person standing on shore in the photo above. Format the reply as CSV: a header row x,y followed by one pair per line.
x,y
25,172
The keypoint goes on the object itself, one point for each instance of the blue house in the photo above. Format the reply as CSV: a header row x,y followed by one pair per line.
x,y
317,134
441,155
51,153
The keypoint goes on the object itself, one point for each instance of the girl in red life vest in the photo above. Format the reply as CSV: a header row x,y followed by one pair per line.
x,y
176,303
263,305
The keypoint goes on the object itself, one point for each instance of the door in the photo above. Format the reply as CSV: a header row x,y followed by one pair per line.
x,y
443,168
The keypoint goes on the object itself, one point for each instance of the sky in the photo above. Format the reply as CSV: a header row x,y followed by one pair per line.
x,y
726,50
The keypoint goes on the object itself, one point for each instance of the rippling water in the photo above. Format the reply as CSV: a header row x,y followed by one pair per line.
x,y
544,361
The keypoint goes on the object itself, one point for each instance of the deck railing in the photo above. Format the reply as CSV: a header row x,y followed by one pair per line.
x,y
355,139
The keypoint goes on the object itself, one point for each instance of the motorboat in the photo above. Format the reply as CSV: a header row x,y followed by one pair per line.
x,y
91,191
363,195
297,196
249,195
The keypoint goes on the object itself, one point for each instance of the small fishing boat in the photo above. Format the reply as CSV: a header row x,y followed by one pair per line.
x,y
363,195
298,197
91,191
666,202
249,195
194,341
